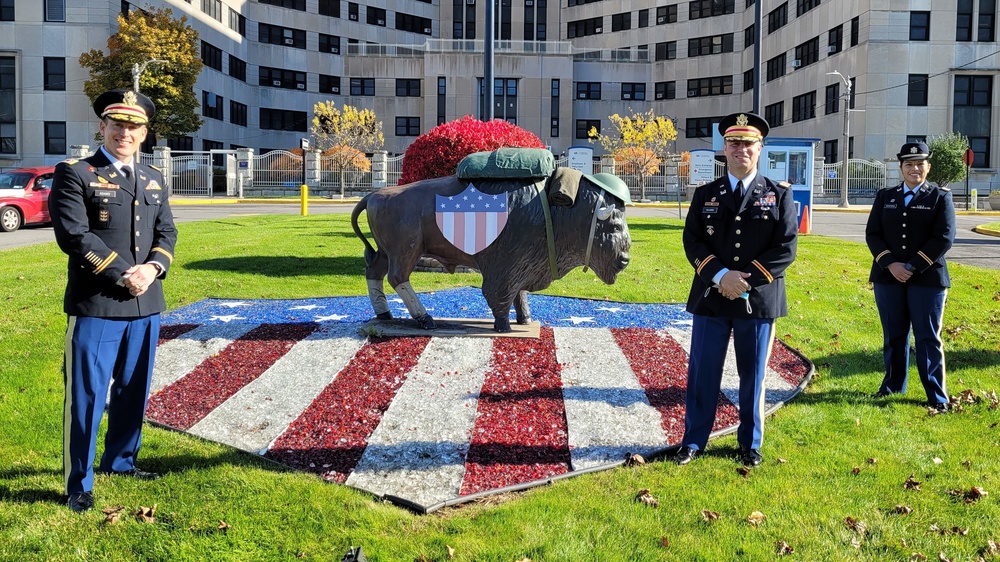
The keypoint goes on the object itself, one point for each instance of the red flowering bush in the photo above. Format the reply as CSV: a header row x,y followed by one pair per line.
x,y
437,153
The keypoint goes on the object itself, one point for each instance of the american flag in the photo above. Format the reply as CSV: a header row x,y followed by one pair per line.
x,y
471,220
431,421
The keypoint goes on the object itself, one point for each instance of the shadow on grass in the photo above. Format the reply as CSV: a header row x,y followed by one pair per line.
x,y
654,227
282,266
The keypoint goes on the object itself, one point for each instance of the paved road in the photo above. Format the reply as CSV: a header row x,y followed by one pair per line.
x,y
970,248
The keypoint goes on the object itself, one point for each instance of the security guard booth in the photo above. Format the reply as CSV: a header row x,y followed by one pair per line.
x,y
791,160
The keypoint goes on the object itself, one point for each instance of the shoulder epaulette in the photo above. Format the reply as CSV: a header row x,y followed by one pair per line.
x,y
157,169
945,188
784,184
71,161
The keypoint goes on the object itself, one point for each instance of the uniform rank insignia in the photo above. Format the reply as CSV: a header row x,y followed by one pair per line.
x,y
153,184
710,230
103,185
768,200
104,215
712,203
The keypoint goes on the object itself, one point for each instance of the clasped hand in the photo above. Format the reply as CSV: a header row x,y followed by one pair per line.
x,y
139,277
733,284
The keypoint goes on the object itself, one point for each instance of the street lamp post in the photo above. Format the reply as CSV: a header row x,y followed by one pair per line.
x,y
847,139
138,69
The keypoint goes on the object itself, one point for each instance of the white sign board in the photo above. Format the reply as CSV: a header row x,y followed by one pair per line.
x,y
581,158
702,166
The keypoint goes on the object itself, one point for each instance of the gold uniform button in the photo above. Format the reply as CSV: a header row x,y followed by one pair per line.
x,y
904,236
739,218
137,233
137,248
138,219
737,244
737,231
105,199
136,203
737,258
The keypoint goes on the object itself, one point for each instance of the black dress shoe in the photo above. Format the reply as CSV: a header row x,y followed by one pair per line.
x,y
137,474
685,455
880,394
750,457
939,408
81,501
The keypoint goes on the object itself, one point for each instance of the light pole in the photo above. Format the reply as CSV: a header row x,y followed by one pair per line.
x,y
137,71
847,138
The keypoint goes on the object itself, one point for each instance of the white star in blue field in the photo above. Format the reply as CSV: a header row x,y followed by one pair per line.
x,y
611,309
228,318
332,317
580,319
306,307
234,304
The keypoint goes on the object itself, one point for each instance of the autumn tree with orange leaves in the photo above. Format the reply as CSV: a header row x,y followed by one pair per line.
x,y
637,142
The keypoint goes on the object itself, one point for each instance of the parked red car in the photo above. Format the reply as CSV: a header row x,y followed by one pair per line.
x,y
24,197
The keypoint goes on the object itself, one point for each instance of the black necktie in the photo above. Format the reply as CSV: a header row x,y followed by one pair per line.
x,y
740,189
127,172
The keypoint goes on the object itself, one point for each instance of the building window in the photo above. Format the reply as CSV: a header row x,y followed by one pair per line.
x,y
290,4
277,35
504,98
207,145
55,137
470,21
700,127
749,36
283,120
621,22
8,106
916,93
665,90
987,20
808,52
414,24
665,51
643,18
583,28
855,30
554,126
212,8
237,68
329,84
583,127
775,114
748,79
329,8
237,22
832,98
55,73
55,10
963,21
362,86
633,91
716,86
237,113
711,45
776,67
329,44
211,56
834,40
375,16
803,6
407,87
541,20
442,98
352,11
282,78
831,154
804,107
407,126
666,14
708,8
211,105
588,90
6,10
973,114
920,26
184,144
777,18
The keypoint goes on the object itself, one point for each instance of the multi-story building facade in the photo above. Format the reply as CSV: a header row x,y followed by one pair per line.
x,y
917,68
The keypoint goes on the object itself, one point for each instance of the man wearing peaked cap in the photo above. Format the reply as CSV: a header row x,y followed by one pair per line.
x,y
111,217
739,236
910,228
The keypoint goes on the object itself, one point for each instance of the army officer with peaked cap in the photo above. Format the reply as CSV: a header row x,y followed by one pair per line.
x,y
910,228
111,217
739,236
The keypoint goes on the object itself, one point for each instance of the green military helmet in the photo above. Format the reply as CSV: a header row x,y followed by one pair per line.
x,y
613,185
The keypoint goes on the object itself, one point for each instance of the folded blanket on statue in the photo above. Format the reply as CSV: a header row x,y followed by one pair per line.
x,y
563,186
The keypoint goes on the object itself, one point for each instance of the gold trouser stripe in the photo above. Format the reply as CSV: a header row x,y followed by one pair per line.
x,y
104,264
170,256
767,361
764,271
706,260
68,399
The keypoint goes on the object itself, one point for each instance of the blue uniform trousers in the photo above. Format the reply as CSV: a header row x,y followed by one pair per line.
x,y
99,352
752,339
901,307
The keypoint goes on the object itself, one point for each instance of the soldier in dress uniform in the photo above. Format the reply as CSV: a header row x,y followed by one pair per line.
x,y
111,217
740,236
910,228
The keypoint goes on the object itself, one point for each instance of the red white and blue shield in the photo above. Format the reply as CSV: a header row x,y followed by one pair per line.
x,y
471,220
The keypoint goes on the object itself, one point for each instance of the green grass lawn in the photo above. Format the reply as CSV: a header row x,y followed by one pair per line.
x,y
842,455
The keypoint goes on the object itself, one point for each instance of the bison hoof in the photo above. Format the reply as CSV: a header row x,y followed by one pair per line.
x,y
501,326
384,316
426,322
524,320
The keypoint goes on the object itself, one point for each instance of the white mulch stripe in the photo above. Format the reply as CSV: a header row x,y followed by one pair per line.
x,y
605,404
253,417
419,449
177,357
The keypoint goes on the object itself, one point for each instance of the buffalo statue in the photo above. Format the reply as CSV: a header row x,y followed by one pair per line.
x,y
520,233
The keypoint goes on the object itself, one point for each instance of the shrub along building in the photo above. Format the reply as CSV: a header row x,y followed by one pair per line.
x,y
560,68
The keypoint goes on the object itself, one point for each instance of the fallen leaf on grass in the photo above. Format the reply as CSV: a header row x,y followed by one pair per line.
x,y
992,397
975,493
991,548
948,532
634,459
855,542
902,509
451,552
943,558
911,484
781,460
743,471
872,460
755,518
856,525
917,557
146,514
223,526
967,463
967,396
937,460
784,548
856,471
664,542
709,515
113,514
645,497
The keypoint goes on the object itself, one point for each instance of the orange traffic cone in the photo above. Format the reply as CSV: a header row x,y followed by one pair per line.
x,y
804,225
